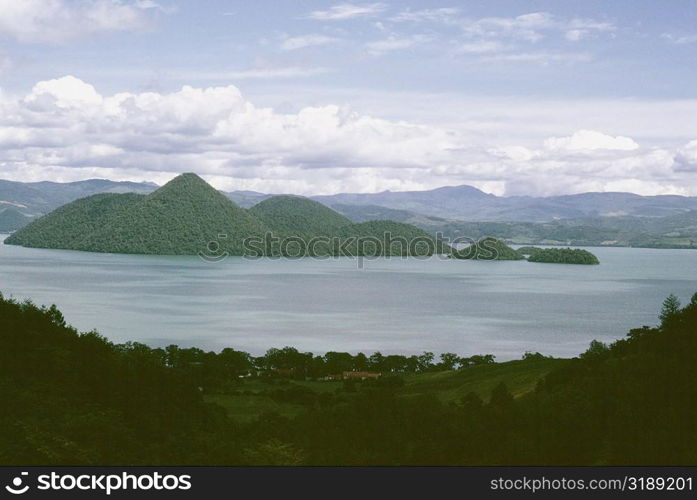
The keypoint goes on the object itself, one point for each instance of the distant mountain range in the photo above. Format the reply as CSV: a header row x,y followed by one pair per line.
x,y
621,219
468,203
38,198
471,204
671,231
187,216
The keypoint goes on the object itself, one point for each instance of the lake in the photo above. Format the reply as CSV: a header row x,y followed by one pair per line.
x,y
393,305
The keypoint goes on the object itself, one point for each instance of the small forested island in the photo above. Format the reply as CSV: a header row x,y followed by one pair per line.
x,y
487,248
72,398
563,256
528,250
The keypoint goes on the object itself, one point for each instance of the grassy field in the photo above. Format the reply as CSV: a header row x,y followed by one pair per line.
x,y
252,398
519,376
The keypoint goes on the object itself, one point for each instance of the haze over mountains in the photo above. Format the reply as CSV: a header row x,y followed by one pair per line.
x,y
583,219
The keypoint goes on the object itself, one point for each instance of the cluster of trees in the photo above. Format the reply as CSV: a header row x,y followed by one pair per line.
x,y
528,250
75,398
211,371
563,256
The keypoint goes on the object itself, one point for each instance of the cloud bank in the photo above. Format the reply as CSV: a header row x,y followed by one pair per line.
x,y
64,129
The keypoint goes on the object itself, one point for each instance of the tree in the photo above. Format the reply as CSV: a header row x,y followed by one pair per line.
x,y
532,356
395,363
425,361
360,362
449,360
337,362
56,316
596,350
479,359
671,307
287,358
234,362
172,356
376,361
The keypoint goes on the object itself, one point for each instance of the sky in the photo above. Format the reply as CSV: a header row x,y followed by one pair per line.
x,y
516,97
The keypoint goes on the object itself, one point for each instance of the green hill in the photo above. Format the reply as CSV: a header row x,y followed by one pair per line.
x,y
324,231
180,218
488,249
298,216
387,237
564,256
68,226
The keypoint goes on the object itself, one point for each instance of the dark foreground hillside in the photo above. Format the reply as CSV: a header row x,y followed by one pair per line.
x,y
75,398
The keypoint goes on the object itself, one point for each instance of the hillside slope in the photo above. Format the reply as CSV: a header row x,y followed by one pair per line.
x,y
295,215
68,226
386,237
180,218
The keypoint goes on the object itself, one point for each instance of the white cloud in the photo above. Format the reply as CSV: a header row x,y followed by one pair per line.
x,y
679,39
64,129
55,21
347,11
511,39
442,15
311,40
525,27
64,92
394,42
590,140
534,26
575,35
481,47
686,157
517,153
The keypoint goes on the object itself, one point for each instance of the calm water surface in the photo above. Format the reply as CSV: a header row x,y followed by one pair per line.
x,y
392,305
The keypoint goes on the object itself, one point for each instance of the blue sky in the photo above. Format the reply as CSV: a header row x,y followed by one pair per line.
x,y
514,97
